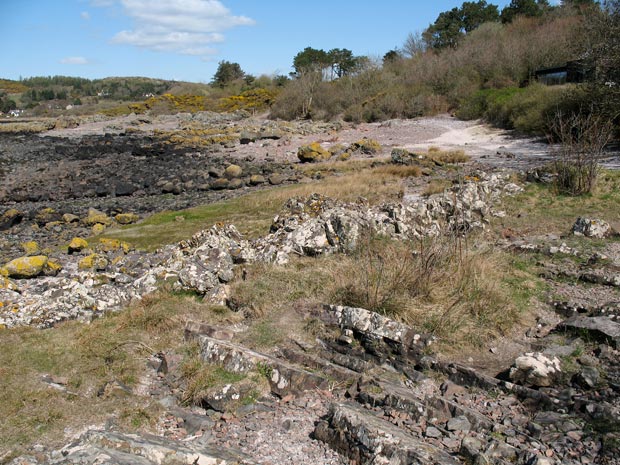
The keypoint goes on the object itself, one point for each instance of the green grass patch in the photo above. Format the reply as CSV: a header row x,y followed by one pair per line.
x,y
540,210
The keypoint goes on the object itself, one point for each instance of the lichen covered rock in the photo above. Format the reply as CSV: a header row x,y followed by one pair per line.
x,y
535,369
312,153
31,248
233,171
97,217
365,146
93,261
591,227
10,218
26,267
126,218
77,244
113,245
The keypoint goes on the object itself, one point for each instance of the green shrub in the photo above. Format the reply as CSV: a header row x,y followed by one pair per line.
x,y
526,109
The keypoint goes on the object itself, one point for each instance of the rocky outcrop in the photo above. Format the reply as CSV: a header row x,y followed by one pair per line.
x,y
600,328
112,274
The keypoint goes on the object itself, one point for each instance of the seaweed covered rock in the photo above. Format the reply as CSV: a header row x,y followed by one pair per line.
x,y
312,153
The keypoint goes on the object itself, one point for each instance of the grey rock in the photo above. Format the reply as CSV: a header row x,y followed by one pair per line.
x,y
588,377
591,227
460,423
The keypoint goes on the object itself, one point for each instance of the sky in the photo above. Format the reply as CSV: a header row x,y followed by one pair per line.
x,y
185,39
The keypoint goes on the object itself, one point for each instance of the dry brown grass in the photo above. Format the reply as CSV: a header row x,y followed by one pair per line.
x,y
463,295
436,186
442,286
448,156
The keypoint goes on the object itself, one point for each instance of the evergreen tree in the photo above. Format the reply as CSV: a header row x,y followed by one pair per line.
x,y
226,73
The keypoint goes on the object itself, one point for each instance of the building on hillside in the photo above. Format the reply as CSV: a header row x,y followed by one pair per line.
x,y
575,71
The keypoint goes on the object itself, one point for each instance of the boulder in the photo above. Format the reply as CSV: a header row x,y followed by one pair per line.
x,y
247,136
70,218
93,262
233,171
10,218
365,146
52,268
591,227
98,229
97,217
276,179
126,218
26,267
220,184
171,188
77,244
47,215
312,153
236,184
535,369
257,179
123,189
112,245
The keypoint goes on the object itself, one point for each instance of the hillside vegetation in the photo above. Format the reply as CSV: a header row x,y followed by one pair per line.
x,y
476,61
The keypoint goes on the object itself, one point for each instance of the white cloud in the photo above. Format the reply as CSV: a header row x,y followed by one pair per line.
x,y
189,27
74,61
85,15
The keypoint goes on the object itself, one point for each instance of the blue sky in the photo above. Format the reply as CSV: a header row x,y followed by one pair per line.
x,y
185,39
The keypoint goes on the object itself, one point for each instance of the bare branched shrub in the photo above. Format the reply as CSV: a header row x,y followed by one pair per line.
x,y
582,138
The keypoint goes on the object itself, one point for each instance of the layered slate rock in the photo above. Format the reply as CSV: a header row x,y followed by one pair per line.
x,y
283,377
112,448
599,328
365,439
